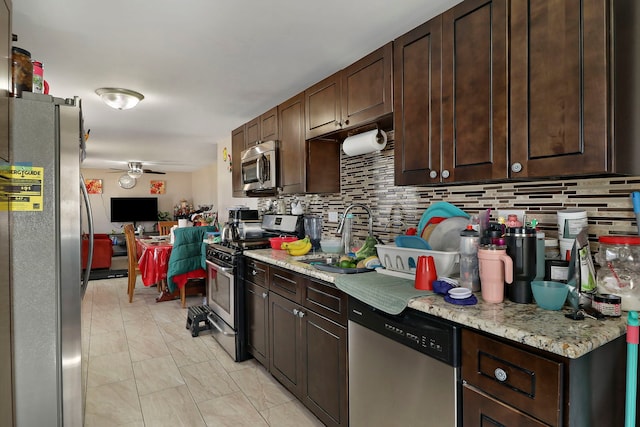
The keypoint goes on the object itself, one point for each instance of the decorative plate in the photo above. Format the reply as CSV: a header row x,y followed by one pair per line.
x,y
126,182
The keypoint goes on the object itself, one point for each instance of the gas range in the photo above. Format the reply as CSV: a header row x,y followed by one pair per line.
x,y
226,253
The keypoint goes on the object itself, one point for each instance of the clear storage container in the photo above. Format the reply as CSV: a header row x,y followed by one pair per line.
x,y
619,273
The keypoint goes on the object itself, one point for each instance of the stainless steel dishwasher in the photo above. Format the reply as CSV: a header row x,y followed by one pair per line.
x,y
404,370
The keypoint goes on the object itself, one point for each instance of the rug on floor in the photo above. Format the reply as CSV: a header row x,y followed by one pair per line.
x,y
119,268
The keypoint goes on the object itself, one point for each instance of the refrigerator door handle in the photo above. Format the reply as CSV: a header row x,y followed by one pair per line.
x,y
87,204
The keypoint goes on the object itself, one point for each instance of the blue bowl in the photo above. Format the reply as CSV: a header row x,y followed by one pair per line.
x,y
549,295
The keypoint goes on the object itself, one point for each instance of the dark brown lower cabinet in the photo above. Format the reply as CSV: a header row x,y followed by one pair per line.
x,y
482,410
308,350
257,305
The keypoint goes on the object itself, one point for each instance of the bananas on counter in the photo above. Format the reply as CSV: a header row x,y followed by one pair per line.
x,y
297,248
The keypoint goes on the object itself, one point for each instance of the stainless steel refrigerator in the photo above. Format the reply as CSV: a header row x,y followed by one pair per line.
x,y
47,284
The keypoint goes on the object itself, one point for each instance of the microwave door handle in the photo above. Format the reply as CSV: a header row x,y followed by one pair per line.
x,y
259,169
264,169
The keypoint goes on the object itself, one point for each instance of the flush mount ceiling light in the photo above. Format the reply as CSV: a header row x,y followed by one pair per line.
x,y
118,98
135,170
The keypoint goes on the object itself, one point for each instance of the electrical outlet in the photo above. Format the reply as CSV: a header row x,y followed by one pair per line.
x,y
333,216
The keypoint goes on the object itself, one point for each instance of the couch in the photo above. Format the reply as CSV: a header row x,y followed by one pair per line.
x,y
102,251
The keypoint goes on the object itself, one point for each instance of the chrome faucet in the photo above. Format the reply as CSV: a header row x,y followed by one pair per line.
x,y
346,211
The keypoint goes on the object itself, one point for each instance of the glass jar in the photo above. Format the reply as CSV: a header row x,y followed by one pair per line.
x,y
21,71
619,273
38,77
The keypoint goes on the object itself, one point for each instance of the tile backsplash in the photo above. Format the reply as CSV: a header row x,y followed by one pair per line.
x,y
368,179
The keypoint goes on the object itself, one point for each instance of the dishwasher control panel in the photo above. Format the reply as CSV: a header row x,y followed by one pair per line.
x,y
427,334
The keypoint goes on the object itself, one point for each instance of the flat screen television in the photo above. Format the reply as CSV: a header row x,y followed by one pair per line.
x,y
134,209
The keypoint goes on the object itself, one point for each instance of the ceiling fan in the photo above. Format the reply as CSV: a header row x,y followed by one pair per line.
x,y
136,170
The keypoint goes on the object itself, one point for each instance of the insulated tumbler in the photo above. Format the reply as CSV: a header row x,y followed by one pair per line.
x,y
496,268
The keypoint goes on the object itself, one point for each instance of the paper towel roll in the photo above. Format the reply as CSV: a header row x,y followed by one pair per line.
x,y
182,223
366,142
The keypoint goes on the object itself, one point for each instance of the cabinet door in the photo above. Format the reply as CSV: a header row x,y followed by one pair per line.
x,y
482,410
286,283
257,304
5,76
416,99
285,355
324,360
559,90
323,166
237,146
252,132
322,107
474,91
269,125
366,88
292,143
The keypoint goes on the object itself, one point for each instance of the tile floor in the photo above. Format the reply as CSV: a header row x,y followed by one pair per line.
x,y
143,368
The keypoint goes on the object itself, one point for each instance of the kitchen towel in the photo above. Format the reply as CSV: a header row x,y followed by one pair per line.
x,y
366,142
387,293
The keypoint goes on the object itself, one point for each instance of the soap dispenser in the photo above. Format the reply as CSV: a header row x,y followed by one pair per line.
x,y
347,235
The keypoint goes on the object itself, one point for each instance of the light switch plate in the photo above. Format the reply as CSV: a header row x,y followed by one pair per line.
x,y
333,216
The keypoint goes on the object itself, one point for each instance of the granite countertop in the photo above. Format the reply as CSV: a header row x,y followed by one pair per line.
x,y
524,323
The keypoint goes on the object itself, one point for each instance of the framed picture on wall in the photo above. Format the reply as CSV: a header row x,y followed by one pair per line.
x,y
94,186
157,187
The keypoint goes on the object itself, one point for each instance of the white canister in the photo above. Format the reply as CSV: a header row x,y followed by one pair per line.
x,y
566,245
571,222
183,222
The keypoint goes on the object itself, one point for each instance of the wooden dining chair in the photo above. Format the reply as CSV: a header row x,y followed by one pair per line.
x,y
132,255
164,227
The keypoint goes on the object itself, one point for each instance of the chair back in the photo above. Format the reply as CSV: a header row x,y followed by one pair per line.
x,y
164,227
132,250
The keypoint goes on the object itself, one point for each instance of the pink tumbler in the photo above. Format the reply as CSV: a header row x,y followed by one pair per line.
x,y
496,267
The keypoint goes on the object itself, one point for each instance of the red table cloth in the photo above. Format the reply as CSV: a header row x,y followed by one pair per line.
x,y
154,260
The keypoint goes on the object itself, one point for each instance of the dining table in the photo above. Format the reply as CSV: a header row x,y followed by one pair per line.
x,y
154,260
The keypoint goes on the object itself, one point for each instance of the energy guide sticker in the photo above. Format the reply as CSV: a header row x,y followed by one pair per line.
x,y
21,188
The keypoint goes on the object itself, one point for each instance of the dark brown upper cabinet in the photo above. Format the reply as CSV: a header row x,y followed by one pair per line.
x,y
305,166
357,95
238,144
450,96
417,104
559,88
474,91
262,128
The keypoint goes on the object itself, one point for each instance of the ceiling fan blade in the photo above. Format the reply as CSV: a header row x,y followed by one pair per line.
x,y
152,171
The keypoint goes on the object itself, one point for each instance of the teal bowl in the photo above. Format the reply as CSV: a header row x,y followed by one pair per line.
x,y
549,295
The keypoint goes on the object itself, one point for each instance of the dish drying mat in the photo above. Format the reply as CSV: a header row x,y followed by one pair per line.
x,y
387,293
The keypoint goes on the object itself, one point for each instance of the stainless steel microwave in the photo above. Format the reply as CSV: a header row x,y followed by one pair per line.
x,y
259,167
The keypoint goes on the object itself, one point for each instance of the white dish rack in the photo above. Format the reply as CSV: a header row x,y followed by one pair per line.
x,y
404,260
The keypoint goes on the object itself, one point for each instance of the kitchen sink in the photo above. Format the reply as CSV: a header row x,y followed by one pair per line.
x,y
326,264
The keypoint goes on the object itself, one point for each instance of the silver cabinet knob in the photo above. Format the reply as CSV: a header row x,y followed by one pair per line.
x,y
516,167
253,272
500,375
295,311
265,295
301,314
433,174
445,174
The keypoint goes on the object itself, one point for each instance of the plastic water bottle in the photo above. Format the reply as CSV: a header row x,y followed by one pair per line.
x,y
469,274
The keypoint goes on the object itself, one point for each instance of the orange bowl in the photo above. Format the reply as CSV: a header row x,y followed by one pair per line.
x,y
276,242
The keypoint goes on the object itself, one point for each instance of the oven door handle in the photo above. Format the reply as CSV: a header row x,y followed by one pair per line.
x,y
219,328
226,270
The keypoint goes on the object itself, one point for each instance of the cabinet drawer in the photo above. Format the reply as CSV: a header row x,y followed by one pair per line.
x,y
286,283
480,409
256,272
326,300
524,380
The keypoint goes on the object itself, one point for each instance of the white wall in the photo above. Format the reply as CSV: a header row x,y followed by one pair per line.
x,y
204,184
178,186
225,198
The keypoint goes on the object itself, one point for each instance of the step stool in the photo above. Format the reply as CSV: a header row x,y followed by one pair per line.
x,y
196,315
